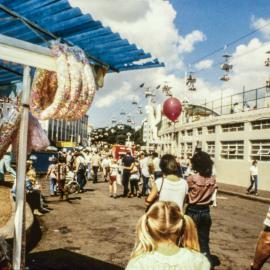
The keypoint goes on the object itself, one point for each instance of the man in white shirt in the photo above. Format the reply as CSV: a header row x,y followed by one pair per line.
x,y
156,162
144,165
96,163
253,178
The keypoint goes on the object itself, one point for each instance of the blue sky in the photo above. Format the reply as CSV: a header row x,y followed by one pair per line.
x,y
179,32
221,21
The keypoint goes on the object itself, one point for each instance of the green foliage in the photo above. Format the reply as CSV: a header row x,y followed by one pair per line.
x,y
115,134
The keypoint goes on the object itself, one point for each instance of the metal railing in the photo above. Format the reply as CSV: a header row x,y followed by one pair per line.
x,y
254,99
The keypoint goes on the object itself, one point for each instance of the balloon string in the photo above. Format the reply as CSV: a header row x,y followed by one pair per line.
x,y
174,133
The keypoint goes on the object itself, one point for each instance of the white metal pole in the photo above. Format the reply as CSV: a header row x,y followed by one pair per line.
x,y
19,232
148,125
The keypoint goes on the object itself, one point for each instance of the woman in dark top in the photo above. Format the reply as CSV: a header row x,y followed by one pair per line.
x,y
201,188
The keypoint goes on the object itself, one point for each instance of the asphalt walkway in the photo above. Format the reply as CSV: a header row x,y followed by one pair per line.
x,y
94,231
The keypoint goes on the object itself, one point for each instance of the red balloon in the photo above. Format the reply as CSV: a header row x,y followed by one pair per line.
x,y
172,108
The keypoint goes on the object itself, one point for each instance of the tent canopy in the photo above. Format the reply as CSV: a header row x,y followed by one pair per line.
x,y
39,22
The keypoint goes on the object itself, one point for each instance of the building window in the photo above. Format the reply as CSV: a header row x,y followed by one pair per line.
x,y
262,124
233,127
199,131
260,150
211,148
232,149
211,129
182,149
190,132
189,149
183,133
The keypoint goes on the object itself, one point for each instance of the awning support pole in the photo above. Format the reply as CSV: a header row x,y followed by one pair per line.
x,y
19,232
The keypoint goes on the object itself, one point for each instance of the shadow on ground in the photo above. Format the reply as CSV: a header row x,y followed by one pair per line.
x,y
34,235
215,261
6,184
61,259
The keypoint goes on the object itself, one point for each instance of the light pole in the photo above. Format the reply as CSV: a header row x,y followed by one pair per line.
x,y
148,95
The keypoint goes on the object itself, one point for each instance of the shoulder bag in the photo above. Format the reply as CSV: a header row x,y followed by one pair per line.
x,y
150,203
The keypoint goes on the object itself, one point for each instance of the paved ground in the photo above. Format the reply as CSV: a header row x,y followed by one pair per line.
x,y
93,231
5,205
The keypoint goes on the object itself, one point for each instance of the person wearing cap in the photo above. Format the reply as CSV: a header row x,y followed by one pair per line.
x,y
262,252
33,194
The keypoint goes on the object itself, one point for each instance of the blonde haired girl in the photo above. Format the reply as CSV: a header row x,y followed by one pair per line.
x,y
166,239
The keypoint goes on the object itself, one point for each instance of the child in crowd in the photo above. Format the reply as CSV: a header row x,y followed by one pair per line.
x,y
166,239
113,175
51,174
61,170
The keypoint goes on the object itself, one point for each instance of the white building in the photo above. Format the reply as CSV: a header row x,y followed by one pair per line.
x,y
232,139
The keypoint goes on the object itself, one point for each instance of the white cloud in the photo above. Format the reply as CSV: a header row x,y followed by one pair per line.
x,y
262,24
186,44
204,64
248,65
149,24
124,93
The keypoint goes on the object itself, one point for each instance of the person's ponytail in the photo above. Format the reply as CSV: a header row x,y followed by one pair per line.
x,y
190,235
144,241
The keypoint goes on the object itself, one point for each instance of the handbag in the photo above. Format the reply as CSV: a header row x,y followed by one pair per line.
x,y
155,199
119,179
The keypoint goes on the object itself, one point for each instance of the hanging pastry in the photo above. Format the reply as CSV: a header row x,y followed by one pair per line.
x,y
43,90
87,93
91,89
76,76
53,110
68,93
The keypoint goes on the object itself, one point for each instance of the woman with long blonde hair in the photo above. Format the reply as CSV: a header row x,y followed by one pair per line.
x,y
166,239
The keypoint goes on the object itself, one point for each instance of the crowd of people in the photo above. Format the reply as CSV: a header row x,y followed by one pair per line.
x,y
174,231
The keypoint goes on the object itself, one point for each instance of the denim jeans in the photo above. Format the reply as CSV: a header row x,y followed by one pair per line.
x,y
253,182
145,188
202,218
52,185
